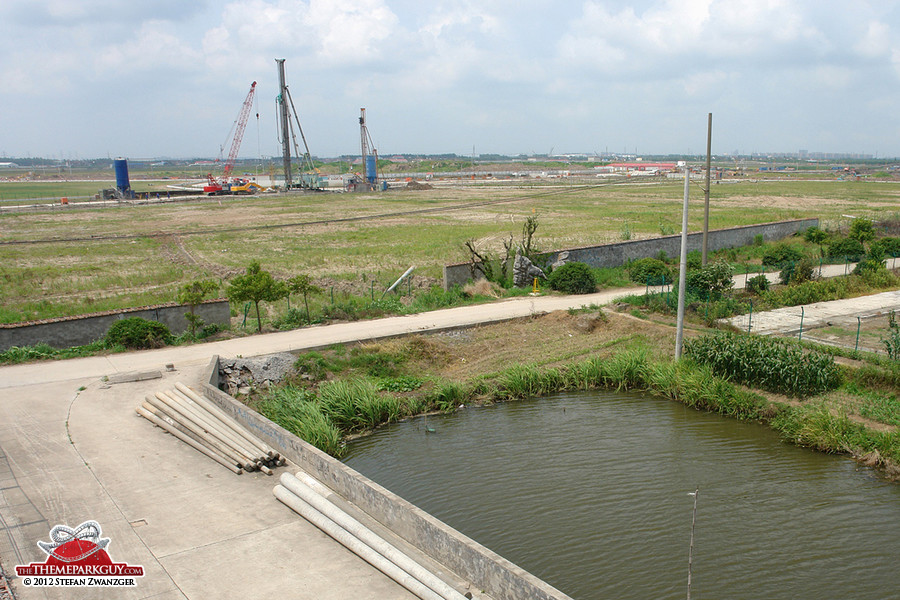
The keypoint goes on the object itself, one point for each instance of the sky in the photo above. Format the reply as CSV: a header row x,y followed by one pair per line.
x,y
167,78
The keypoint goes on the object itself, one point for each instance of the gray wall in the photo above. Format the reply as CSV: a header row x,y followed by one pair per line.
x,y
617,254
78,331
499,578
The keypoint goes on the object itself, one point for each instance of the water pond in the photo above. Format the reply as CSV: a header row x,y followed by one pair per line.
x,y
590,492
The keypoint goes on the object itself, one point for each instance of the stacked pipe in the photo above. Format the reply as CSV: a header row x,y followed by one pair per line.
x,y
307,497
210,430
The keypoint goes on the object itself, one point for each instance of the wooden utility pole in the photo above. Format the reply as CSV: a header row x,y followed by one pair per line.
x,y
706,191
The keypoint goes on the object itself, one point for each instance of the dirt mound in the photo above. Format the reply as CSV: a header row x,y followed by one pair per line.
x,y
415,185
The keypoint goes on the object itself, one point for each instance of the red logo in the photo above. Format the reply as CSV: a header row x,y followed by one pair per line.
x,y
78,558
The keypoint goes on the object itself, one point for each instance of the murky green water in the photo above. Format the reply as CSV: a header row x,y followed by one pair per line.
x,y
589,492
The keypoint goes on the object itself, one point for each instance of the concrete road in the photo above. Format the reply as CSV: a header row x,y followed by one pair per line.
x,y
74,450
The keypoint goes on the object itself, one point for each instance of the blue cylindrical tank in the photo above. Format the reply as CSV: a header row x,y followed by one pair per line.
x,y
121,168
371,169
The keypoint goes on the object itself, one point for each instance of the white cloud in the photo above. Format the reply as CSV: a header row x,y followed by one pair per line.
x,y
624,71
326,33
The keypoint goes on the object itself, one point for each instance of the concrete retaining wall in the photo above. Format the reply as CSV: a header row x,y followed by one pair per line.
x,y
617,254
78,331
499,578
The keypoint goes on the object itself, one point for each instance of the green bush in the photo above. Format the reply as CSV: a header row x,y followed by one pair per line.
x,y
573,278
892,341
137,334
694,260
651,271
758,284
862,230
768,363
780,254
797,272
815,235
871,263
846,248
889,246
712,280
294,318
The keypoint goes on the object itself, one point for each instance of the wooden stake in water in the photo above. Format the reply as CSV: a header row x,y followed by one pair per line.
x,y
695,494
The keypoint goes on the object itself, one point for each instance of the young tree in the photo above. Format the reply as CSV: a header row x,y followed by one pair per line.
x,y
256,286
193,294
862,230
301,284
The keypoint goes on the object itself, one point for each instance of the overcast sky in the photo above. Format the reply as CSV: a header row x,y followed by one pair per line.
x,y
166,78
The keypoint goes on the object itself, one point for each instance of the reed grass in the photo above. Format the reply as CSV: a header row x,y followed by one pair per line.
x,y
298,411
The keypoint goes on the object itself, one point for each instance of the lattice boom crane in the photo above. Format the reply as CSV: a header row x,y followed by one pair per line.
x,y
240,124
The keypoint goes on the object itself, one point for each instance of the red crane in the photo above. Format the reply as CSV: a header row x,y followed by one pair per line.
x,y
240,124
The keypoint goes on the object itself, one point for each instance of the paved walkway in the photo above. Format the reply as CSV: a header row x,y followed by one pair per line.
x,y
787,320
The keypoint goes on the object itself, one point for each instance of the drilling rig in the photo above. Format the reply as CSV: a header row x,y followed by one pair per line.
x,y
287,136
226,184
369,156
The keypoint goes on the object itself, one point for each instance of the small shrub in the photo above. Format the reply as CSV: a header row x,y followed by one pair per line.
x,y
573,278
892,341
872,262
209,330
138,334
712,280
862,230
758,284
758,239
650,271
814,235
846,248
694,260
781,254
889,246
292,319
797,272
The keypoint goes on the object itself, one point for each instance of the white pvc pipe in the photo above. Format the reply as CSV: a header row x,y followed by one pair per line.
x,y
354,544
187,440
369,537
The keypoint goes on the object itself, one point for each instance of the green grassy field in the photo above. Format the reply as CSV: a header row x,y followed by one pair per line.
x,y
73,260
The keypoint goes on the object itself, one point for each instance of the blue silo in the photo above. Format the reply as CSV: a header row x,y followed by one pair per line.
x,y
123,185
371,169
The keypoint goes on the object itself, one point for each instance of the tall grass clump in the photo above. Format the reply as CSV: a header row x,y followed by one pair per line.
x,y
816,426
298,411
447,395
523,381
356,404
771,364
